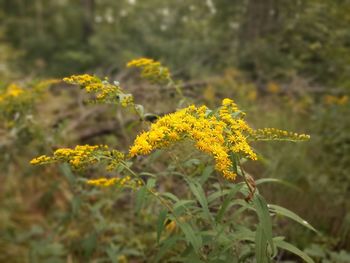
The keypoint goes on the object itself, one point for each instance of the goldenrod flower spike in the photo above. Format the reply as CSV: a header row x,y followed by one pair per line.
x,y
218,135
83,156
104,91
40,160
273,134
151,70
106,182
223,134
11,92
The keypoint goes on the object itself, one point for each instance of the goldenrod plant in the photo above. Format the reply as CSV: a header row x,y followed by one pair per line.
x,y
17,106
218,219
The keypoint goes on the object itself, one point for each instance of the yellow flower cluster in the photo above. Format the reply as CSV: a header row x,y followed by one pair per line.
x,y
14,90
40,160
335,100
20,102
216,134
84,80
106,182
82,156
223,134
104,91
278,135
237,127
11,91
151,70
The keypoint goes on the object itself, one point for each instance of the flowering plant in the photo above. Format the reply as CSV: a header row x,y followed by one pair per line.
x,y
213,221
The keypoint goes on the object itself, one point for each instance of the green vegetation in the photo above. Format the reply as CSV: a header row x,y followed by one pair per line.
x,y
169,195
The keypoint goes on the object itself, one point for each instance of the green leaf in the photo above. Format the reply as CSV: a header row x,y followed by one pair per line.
x,y
289,247
287,213
67,172
261,245
279,181
198,192
160,223
242,233
181,205
112,252
264,218
225,204
151,183
148,174
166,245
207,171
191,237
140,198
89,244
217,194
171,196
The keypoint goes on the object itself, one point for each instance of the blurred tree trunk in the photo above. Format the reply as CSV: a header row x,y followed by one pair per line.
x,y
88,9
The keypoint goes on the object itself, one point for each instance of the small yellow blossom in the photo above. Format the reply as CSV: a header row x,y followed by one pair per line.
x,y
278,135
104,91
40,160
220,135
223,134
82,156
106,182
11,92
14,90
210,134
151,70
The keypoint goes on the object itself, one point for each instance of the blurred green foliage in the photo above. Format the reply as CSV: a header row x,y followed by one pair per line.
x,y
236,48
268,39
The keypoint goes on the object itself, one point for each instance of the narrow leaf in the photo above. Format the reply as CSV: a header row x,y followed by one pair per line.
x,y
261,245
287,213
264,218
279,181
160,223
191,237
140,198
198,192
289,247
225,204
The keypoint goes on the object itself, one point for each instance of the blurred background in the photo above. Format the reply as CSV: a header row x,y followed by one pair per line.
x,y
285,62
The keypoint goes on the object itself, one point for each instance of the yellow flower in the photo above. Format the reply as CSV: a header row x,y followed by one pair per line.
x,y
220,135
40,160
210,133
82,156
104,91
151,70
126,181
279,135
223,134
14,90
